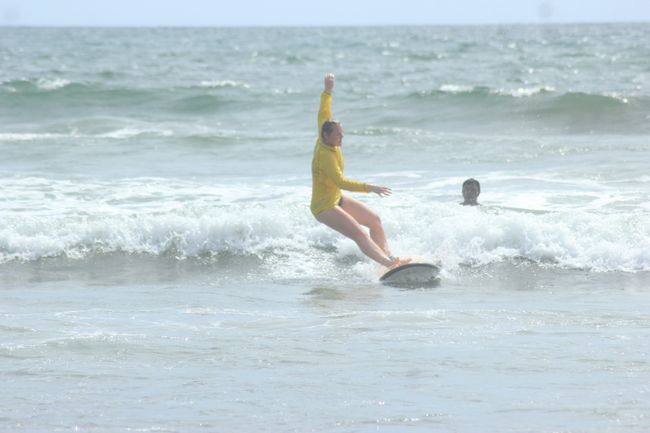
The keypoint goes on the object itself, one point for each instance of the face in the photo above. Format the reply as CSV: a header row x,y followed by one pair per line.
x,y
470,192
335,138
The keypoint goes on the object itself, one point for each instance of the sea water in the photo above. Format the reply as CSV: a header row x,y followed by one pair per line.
x,y
160,269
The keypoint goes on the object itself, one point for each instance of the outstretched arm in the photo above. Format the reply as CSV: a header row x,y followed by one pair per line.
x,y
381,191
334,173
325,110
331,168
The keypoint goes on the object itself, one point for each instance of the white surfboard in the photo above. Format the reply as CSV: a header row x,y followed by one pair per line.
x,y
412,275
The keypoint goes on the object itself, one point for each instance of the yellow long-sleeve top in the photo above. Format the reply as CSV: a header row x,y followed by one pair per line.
x,y
327,167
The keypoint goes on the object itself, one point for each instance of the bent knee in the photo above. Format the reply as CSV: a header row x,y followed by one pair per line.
x,y
359,235
374,221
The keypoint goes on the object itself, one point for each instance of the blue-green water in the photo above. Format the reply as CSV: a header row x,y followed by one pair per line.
x,y
160,269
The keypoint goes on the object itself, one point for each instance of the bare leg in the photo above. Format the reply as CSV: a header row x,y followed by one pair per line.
x,y
366,217
339,220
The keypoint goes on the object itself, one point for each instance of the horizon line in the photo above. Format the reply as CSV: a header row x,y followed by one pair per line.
x,y
469,24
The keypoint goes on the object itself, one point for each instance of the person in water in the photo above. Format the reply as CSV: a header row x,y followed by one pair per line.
x,y
329,206
471,191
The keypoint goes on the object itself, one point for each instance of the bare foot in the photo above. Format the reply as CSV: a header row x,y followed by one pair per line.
x,y
399,262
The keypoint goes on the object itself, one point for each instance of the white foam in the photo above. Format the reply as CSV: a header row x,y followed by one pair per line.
x,y
224,84
519,92
26,136
52,83
618,97
455,88
597,241
120,134
125,133
523,92
45,218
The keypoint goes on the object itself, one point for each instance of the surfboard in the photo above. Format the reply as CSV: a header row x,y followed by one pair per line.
x,y
412,275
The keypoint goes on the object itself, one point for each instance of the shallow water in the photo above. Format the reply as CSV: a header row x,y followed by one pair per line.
x,y
502,348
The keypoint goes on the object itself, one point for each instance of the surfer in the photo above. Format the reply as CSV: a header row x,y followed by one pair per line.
x,y
329,206
471,191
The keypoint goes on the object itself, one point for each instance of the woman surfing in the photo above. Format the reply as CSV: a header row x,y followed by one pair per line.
x,y
329,206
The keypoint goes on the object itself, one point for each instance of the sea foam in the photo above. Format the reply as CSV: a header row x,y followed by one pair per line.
x,y
191,221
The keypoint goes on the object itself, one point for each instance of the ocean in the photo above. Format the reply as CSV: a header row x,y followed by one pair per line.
x,y
160,270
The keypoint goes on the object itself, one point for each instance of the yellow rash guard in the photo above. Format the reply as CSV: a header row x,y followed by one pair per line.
x,y
327,167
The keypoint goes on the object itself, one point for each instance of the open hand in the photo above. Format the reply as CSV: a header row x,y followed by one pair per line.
x,y
381,191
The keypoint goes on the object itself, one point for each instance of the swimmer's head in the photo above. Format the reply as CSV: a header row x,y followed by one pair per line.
x,y
471,191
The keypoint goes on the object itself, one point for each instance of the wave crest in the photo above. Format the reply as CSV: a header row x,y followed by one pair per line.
x,y
450,234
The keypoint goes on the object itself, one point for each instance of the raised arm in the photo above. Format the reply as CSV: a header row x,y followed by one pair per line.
x,y
325,110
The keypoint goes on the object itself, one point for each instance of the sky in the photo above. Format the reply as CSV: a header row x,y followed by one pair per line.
x,y
315,13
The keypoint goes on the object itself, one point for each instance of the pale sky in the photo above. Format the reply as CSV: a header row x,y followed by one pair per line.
x,y
312,13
